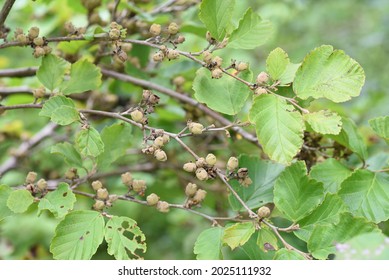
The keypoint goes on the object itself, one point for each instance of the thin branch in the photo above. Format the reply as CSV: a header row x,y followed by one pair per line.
x,y
5,11
26,147
18,72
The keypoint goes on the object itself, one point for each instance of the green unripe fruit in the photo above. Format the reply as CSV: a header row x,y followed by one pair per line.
x,y
102,194
263,212
152,199
262,78
190,189
31,177
139,186
33,33
127,179
163,206
99,205
232,163
173,28
155,29
160,155
211,159
38,41
96,185
216,73
190,167
136,115
201,174
159,142
199,196
41,185
195,128
71,174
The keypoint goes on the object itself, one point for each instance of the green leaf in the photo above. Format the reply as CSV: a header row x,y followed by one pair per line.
x,y
324,236
117,138
328,73
263,174
225,95
331,173
52,71
84,76
238,234
350,138
327,212
117,234
250,249
19,201
266,239
366,193
78,236
285,254
65,115
279,127
324,122
5,191
380,126
58,202
295,194
209,244
368,246
216,16
252,32
289,74
89,142
71,155
276,63
54,103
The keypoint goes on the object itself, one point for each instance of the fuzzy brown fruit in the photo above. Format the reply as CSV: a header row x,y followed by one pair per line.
x,y
263,212
190,167
152,199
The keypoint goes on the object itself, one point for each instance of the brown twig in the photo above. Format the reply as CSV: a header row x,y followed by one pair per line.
x,y
5,11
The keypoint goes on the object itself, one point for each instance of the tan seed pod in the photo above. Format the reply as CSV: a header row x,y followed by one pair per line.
x,y
102,194
41,185
178,81
114,34
139,186
218,61
33,33
211,159
263,212
163,206
39,92
180,39
195,128
207,57
201,174
166,138
173,28
126,47
152,199
22,38
201,162
216,73
160,155
158,56
155,29
31,177
38,52
38,41
71,174
260,90
262,78
190,189
190,167
47,49
136,115
209,38
242,173
127,179
232,163
242,66
112,198
172,54
199,196
159,142
99,205
96,185
246,182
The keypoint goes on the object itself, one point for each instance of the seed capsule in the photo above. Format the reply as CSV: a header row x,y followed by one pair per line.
x,y
139,186
216,73
218,61
207,57
260,90
242,173
159,142
33,32
155,29
99,205
39,92
179,81
201,174
195,128
173,28
166,138
190,167
114,34
96,185
262,78
242,66
31,177
102,194
246,182
152,199
41,185
136,115
263,212
200,162
38,41
158,56
127,179
160,155
199,196
211,159
173,54
232,163
163,206
38,52
190,189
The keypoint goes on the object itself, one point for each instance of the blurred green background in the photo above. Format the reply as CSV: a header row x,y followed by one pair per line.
x,y
359,27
